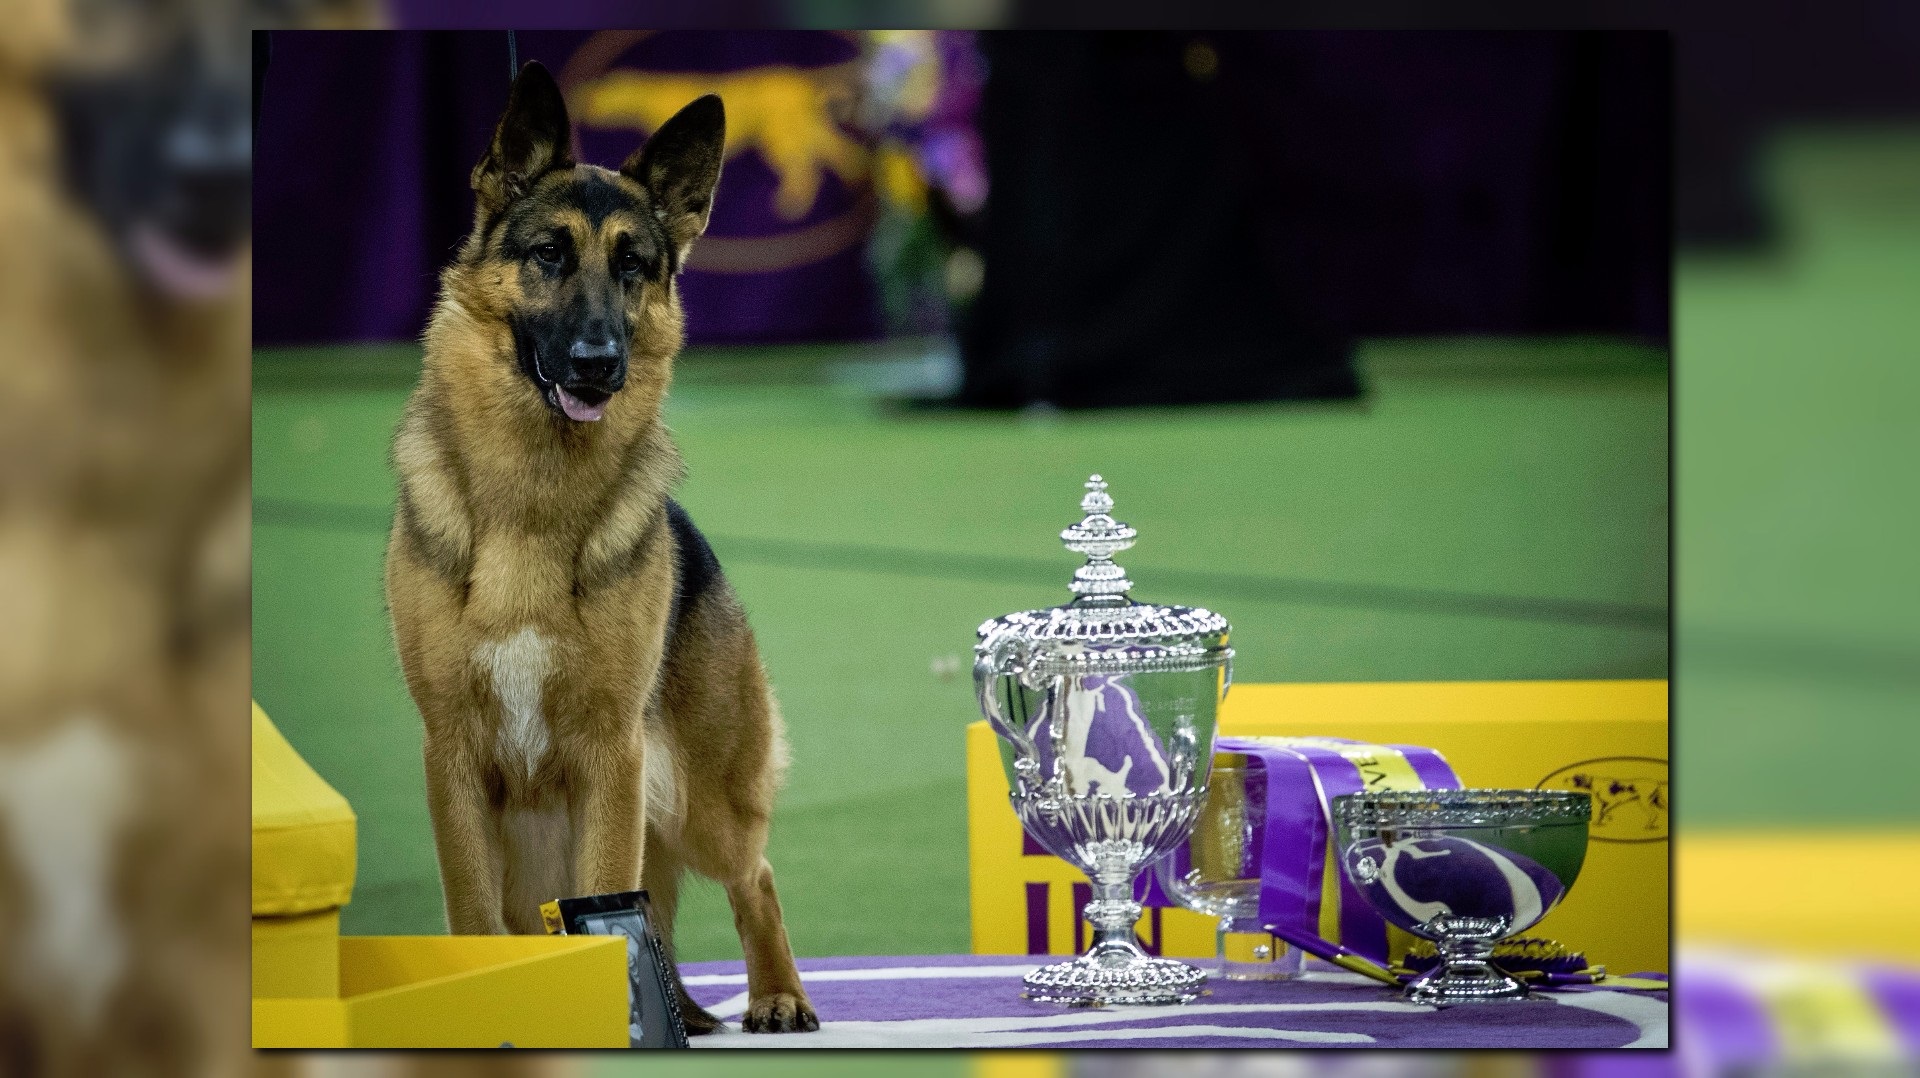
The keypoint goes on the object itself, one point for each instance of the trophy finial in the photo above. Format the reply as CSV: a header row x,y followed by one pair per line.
x,y
1099,537
1097,499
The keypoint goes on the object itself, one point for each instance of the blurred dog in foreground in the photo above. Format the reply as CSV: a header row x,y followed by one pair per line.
x,y
590,687
124,531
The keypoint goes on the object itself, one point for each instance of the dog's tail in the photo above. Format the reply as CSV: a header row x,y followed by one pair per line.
x,y
695,1018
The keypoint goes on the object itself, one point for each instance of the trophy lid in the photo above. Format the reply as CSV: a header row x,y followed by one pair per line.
x,y
1104,629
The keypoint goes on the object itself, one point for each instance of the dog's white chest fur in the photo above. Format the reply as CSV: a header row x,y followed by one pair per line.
x,y
518,666
63,802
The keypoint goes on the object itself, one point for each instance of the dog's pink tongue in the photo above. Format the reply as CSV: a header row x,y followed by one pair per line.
x,y
577,409
179,271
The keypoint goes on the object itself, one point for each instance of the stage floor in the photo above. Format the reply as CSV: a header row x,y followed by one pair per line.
x,y
974,1001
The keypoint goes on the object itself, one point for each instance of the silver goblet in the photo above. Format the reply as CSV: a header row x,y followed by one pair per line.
x,y
1106,709
1216,871
1464,869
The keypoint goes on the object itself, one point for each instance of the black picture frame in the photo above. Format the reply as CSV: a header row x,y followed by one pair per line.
x,y
654,1020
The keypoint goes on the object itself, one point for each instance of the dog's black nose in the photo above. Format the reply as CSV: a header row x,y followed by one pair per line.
x,y
206,159
595,358
584,349
209,141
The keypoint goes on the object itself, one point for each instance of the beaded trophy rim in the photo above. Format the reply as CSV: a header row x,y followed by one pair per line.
x,y
1463,808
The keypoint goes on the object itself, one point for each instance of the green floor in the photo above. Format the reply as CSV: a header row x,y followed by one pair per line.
x,y
1497,510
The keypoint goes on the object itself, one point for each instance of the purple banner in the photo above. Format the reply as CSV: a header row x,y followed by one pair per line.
x,y
1301,781
1361,929
366,142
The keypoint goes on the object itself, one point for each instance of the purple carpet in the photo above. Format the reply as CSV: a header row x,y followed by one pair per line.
x,y
973,1001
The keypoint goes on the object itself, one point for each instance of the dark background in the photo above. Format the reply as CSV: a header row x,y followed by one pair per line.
x,y
1351,183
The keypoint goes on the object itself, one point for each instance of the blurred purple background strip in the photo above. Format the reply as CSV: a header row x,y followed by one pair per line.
x,y
1727,1028
577,14
1897,991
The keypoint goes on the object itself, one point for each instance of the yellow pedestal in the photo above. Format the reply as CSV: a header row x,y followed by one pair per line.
x,y
1603,736
460,992
313,988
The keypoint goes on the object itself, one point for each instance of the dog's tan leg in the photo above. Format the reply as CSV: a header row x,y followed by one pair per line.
x,y
661,877
724,839
609,810
778,1003
466,840
720,704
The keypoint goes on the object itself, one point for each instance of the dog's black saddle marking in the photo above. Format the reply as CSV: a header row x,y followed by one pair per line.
x,y
698,568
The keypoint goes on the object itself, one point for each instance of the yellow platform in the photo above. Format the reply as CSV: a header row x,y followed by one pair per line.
x,y
314,988
460,992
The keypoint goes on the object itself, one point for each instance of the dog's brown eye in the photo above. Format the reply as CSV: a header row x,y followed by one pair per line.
x,y
629,263
548,253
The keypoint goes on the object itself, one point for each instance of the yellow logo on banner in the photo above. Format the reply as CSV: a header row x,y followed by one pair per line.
x,y
789,115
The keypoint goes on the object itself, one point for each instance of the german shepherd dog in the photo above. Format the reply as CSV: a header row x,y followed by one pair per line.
x,y
597,718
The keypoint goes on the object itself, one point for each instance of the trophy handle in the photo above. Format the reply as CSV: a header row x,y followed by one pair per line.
x,y
995,663
1053,705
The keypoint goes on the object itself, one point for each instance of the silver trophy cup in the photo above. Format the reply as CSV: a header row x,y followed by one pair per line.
x,y
1464,869
1106,709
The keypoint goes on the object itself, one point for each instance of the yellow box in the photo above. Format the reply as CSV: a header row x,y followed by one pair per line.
x,y
297,957
461,992
1609,737
313,988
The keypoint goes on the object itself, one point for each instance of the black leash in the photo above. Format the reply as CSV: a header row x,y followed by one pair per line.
x,y
513,58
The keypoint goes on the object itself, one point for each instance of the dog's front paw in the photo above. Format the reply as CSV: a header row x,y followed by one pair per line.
x,y
781,1012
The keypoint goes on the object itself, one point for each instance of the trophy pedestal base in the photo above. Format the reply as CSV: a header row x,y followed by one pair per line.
x,y
1485,984
1090,982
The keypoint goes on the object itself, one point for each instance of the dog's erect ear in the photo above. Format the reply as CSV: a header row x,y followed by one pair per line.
x,y
680,167
533,138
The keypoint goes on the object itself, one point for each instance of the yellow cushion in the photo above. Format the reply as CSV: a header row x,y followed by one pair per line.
x,y
303,831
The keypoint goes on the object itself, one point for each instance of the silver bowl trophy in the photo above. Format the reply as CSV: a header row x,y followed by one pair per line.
x,y
1464,869
1106,708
